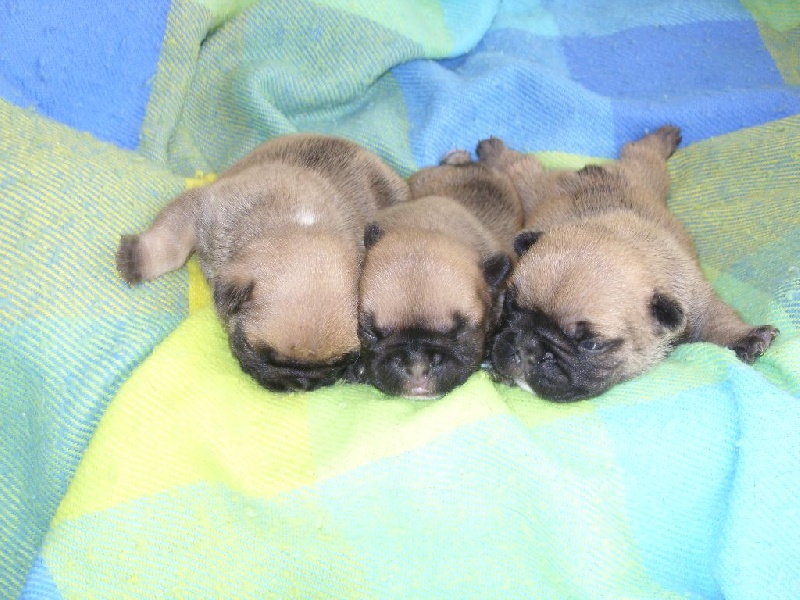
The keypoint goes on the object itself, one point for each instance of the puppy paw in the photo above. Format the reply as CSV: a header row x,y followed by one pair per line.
x,y
491,150
668,138
754,343
129,263
456,158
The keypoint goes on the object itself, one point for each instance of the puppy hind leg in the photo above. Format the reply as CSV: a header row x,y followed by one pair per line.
x,y
660,144
165,246
644,162
525,171
723,326
494,153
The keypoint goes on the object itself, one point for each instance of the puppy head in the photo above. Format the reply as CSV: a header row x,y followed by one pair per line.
x,y
290,308
582,312
424,301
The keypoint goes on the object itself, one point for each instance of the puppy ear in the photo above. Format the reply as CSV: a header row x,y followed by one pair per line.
x,y
496,268
461,328
524,241
355,372
372,233
366,329
231,296
667,311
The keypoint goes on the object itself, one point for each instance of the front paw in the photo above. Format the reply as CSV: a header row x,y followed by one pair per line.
x,y
754,343
129,262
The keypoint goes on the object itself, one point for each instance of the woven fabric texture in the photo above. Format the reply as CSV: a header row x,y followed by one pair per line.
x,y
138,461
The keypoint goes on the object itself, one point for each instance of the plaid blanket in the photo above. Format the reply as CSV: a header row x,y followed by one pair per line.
x,y
137,461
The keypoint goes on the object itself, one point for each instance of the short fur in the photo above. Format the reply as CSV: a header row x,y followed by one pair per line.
x,y
608,280
432,270
279,237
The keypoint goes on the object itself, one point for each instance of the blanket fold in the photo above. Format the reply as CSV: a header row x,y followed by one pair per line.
x,y
137,460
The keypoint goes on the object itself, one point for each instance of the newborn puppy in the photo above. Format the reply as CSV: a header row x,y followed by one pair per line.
x,y
607,282
432,270
280,239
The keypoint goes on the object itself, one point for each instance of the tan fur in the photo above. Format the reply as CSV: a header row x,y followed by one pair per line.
x,y
287,316
430,276
609,243
288,218
486,193
419,276
463,213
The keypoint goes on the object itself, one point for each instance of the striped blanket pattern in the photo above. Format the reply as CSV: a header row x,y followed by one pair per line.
x,y
137,461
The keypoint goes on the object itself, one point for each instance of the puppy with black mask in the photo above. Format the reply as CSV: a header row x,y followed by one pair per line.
x,y
434,267
279,236
607,280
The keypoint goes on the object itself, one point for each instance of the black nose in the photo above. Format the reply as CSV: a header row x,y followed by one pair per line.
x,y
419,362
530,350
417,369
302,384
298,382
308,383
287,384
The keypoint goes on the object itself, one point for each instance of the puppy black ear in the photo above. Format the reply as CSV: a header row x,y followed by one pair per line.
x,y
230,297
372,233
461,328
496,268
366,329
667,311
525,240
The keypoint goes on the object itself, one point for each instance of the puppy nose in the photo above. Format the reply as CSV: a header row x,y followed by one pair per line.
x,y
546,357
417,370
301,384
530,351
307,383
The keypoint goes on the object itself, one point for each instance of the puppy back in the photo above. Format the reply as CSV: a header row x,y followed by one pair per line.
x,y
485,192
361,176
446,216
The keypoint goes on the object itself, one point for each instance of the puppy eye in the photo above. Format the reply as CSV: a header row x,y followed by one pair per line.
x,y
591,345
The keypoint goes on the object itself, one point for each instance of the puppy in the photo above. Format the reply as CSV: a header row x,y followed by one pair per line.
x,y
607,282
279,236
432,270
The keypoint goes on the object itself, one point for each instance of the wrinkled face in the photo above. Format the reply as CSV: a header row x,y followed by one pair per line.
x,y
423,308
584,310
561,364
418,362
284,374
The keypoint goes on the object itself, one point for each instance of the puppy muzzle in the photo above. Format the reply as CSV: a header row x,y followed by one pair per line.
x,y
415,369
533,363
279,374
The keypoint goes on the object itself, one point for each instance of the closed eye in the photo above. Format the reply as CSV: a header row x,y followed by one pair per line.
x,y
592,345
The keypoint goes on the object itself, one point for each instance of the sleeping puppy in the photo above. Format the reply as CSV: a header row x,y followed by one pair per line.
x,y
279,236
607,282
432,270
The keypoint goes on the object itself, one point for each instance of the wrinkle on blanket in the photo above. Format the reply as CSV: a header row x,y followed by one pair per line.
x,y
196,482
